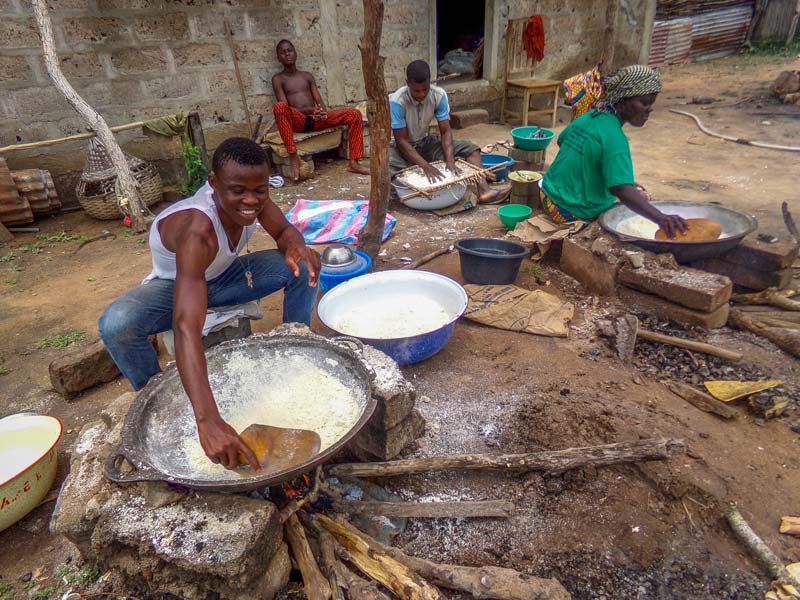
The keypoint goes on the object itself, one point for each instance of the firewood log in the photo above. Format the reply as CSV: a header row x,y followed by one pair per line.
x,y
314,583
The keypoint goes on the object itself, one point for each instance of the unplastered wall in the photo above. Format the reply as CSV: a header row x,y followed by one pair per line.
x,y
138,59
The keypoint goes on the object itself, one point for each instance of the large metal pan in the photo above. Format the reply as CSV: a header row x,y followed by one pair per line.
x,y
735,226
158,425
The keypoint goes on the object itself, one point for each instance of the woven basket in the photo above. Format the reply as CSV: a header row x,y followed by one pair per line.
x,y
96,189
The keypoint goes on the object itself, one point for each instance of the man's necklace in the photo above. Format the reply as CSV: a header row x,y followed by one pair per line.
x,y
248,275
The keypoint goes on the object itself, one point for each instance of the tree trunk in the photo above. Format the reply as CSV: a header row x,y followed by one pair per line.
x,y
370,237
610,37
139,213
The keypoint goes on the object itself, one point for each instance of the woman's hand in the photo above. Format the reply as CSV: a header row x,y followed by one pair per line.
x,y
671,224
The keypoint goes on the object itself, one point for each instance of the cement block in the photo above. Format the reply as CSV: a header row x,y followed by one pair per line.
x,y
472,116
386,444
754,279
198,55
762,256
647,304
138,60
396,396
596,273
164,27
227,537
82,368
18,33
14,69
82,64
93,30
688,287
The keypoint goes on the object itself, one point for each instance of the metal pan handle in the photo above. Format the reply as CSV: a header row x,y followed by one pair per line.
x,y
351,343
112,471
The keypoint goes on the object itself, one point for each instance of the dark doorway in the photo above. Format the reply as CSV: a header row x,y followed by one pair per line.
x,y
459,39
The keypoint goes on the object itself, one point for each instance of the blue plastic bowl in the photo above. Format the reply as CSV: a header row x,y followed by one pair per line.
x,y
329,279
491,160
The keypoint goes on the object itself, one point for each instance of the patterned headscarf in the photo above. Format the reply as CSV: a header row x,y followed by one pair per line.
x,y
628,82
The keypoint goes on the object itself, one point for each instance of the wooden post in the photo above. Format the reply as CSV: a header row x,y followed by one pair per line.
x,y
371,236
793,25
199,138
232,46
139,213
610,37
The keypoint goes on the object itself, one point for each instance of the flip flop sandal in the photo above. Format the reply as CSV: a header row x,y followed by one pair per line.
x,y
499,197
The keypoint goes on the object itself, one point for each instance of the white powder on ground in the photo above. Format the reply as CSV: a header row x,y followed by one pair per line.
x,y
395,317
292,393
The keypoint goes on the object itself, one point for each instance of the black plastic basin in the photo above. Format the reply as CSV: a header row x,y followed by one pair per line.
x,y
486,260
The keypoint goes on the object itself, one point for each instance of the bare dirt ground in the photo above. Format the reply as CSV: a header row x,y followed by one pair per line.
x,y
647,531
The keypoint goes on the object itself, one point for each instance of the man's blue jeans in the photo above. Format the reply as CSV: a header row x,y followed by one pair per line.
x,y
147,309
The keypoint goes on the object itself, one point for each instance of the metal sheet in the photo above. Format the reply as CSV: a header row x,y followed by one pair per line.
x,y
14,209
669,9
720,32
671,42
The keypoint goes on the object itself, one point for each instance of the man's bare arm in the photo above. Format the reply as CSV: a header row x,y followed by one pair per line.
x,y
315,92
277,87
447,144
408,152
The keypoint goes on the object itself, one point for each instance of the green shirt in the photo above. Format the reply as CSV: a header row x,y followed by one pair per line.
x,y
593,156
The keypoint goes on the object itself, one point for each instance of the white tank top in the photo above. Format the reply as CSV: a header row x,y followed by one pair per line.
x,y
164,260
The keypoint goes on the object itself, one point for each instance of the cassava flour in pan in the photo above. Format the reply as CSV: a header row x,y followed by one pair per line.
x,y
297,394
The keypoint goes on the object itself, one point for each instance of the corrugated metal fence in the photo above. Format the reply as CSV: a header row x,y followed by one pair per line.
x,y
702,35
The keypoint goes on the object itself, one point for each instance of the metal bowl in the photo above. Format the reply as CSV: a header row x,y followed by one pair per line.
x,y
338,255
735,226
161,420
361,295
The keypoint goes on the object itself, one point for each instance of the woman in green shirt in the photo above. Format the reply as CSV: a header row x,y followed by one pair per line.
x,y
593,167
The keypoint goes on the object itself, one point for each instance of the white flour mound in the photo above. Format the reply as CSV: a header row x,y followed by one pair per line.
x,y
395,317
420,180
638,226
298,394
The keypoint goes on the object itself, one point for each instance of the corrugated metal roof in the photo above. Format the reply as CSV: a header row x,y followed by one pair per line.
x,y
671,42
720,32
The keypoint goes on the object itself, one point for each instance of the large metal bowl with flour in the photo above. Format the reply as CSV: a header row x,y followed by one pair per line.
x,y
407,314
286,380
630,227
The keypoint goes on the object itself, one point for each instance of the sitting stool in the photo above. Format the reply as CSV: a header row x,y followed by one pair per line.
x,y
224,323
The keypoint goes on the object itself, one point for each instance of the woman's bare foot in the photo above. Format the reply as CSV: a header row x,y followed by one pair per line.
x,y
294,167
354,167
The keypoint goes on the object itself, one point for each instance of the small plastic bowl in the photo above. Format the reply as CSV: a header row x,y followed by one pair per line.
x,y
524,141
511,214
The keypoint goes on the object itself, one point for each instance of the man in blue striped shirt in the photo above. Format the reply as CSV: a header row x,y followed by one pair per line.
x,y
413,106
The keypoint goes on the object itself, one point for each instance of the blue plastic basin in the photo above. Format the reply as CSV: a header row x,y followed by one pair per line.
x,y
491,160
330,278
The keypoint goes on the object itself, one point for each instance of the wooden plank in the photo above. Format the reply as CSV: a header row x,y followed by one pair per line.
x,y
703,401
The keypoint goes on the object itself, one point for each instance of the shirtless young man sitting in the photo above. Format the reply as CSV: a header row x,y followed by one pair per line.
x,y
299,108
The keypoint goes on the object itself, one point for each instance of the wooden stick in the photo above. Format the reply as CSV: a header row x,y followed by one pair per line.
x,y
357,587
703,401
328,561
482,582
769,296
434,510
314,583
787,340
555,461
428,257
295,505
790,526
256,128
229,38
773,322
788,219
690,345
758,548
70,138
401,580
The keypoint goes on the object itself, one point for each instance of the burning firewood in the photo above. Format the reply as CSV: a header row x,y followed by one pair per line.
x,y
327,559
555,461
482,582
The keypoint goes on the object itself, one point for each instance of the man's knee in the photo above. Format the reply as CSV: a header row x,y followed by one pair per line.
x,y
113,323
280,109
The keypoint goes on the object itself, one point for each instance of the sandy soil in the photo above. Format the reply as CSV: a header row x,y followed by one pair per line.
x,y
645,531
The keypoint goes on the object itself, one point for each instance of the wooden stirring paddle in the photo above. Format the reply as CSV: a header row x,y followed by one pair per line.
x,y
278,448
699,230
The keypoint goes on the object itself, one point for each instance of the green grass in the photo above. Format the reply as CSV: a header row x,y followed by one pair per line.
x,y
3,371
776,47
34,248
62,340
61,236
12,281
536,271
7,257
7,591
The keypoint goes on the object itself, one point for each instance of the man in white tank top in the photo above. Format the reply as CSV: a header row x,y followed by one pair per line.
x,y
195,245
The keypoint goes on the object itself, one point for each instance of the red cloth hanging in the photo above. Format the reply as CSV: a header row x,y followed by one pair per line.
x,y
533,37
